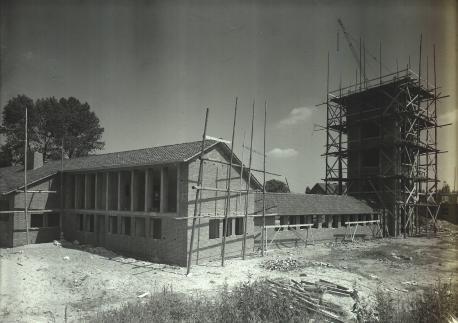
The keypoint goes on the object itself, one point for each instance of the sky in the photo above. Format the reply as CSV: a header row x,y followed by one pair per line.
x,y
149,69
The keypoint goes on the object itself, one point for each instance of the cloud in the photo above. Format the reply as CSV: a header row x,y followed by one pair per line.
x,y
297,115
282,153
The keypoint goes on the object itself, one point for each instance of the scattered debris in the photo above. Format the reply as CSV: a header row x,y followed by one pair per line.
x,y
20,264
411,283
57,243
76,242
144,294
66,258
285,264
373,276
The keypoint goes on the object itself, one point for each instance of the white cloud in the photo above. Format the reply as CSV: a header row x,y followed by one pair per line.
x,y
282,153
296,115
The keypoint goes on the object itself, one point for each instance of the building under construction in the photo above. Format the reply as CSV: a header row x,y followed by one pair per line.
x,y
381,146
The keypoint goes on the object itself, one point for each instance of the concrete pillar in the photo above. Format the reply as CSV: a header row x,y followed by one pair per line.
x,y
147,204
329,220
119,191
320,221
85,191
178,184
106,190
133,190
75,191
96,204
164,183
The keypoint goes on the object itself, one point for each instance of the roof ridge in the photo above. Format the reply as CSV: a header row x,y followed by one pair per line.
x,y
139,149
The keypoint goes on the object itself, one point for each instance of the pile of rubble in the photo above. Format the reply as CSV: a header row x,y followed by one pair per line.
x,y
282,264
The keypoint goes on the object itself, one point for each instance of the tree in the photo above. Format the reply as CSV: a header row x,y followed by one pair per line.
x,y
276,186
51,123
445,188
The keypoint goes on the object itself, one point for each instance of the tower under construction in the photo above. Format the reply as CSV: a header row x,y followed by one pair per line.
x,y
381,146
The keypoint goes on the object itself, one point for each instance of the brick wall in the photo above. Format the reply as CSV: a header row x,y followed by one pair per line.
x,y
169,248
213,203
36,201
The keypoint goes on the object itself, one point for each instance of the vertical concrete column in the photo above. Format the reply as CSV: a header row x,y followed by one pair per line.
x,y
133,190
75,191
320,221
86,182
147,204
164,179
339,220
329,218
119,191
178,184
107,199
96,204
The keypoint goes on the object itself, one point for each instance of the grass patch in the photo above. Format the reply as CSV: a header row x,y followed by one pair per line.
x,y
434,305
248,302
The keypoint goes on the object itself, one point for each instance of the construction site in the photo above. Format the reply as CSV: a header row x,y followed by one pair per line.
x,y
85,235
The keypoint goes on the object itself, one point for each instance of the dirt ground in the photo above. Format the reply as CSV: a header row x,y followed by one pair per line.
x,y
46,283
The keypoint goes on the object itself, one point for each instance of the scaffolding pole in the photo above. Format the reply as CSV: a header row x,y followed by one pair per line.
x,y
245,221
228,186
264,183
197,197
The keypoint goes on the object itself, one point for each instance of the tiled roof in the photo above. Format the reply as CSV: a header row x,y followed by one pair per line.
x,y
310,204
13,177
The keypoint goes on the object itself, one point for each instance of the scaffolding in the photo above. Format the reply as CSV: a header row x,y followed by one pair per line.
x,y
381,146
199,188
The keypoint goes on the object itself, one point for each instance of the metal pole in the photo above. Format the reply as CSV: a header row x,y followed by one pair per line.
x,y
435,129
61,186
380,59
264,182
327,129
228,194
245,223
25,180
197,197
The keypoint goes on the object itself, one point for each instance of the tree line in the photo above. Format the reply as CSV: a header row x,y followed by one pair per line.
x,y
54,126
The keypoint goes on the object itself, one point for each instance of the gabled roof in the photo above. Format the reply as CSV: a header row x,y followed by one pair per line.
x,y
12,177
311,204
320,188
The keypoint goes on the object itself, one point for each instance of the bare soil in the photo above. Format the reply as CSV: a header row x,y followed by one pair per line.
x,y
48,283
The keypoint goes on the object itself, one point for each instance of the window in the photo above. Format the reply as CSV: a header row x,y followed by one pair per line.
x,y
113,224
90,222
36,220
213,230
53,220
125,222
140,227
156,228
239,226
80,222
229,227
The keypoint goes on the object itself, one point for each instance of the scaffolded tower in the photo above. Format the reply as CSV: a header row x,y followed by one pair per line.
x,y
381,146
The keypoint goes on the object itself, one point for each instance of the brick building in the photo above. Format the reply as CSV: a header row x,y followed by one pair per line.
x,y
141,203
327,213
136,202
